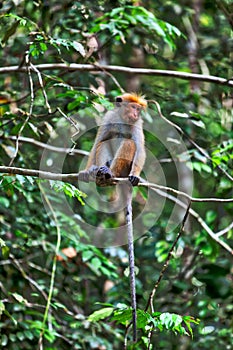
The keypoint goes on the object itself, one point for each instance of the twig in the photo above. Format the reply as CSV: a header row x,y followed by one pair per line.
x,y
180,193
30,109
70,120
42,86
54,266
47,146
29,279
225,230
30,82
111,76
205,154
197,217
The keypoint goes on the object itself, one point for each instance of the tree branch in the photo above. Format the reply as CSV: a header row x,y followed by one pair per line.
x,y
46,146
161,190
74,176
121,69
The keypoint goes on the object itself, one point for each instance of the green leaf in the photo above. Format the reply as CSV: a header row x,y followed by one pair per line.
x,y
143,319
22,21
100,314
2,307
122,316
87,255
68,189
198,123
20,298
10,31
4,340
96,263
29,335
43,47
20,336
79,48
5,252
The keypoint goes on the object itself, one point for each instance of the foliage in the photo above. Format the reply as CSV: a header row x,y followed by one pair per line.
x,y
146,321
54,272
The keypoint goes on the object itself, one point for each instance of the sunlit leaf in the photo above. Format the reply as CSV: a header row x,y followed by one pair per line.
x,y
100,314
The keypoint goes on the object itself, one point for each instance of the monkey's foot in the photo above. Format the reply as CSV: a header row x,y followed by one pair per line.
x,y
134,180
104,173
88,175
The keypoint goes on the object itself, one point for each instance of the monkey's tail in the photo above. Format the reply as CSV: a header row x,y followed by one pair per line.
x,y
129,225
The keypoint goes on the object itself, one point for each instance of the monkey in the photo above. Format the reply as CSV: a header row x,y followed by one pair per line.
x,y
118,150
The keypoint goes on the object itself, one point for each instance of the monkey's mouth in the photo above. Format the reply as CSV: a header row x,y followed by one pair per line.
x,y
133,117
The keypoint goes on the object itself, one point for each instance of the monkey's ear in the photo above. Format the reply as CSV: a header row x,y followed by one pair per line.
x,y
118,100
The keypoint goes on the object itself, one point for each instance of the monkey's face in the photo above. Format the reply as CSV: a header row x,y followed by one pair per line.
x,y
131,112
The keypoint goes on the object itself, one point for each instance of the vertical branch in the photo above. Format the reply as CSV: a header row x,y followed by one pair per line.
x,y
42,87
30,109
54,267
129,225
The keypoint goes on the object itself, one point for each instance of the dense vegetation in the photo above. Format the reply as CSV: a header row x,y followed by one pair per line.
x,y
64,262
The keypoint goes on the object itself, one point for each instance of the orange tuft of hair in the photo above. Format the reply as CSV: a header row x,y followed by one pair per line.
x,y
133,97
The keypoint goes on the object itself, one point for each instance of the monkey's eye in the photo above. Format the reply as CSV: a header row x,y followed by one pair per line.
x,y
138,108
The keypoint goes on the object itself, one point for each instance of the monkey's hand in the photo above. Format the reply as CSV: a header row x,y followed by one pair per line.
x,y
104,173
134,180
84,176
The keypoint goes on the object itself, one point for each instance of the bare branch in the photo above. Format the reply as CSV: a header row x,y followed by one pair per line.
x,y
47,146
74,176
200,149
161,190
225,230
180,193
122,69
197,217
42,86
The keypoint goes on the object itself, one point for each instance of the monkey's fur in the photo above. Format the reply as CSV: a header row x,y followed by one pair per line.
x,y
118,150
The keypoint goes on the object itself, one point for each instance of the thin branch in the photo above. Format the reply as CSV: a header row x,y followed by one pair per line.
x,y
30,109
30,82
42,86
74,176
47,146
122,69
200,149
71,121
161,190
28,278
225,230
54,267
197,217
180,193
112,77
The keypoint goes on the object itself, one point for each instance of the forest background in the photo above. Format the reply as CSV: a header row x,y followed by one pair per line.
x,y
63,274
